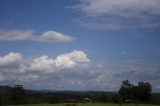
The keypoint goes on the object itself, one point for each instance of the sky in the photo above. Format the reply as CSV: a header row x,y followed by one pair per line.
x,y
79,45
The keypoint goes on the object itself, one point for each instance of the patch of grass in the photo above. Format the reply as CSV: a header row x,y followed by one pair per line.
x,y
90,104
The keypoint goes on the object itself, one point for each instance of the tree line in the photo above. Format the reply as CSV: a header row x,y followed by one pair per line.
x,y
11,95
18,95
140,93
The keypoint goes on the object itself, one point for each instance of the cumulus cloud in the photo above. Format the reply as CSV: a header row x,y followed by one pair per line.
x,y
10,60
48,36
64,61
118,14
17,69
71,59
65,72
43,63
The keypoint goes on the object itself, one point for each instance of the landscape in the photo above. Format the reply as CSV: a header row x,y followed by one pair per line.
x,y
128,95
92,104
79,52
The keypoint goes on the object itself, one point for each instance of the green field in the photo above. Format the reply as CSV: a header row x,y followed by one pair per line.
x,y
90,104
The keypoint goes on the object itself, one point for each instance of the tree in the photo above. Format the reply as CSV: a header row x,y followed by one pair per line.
x,y
145,89
101,98
5,95
141,92
117,99
0,101
125,90
53,99
18,94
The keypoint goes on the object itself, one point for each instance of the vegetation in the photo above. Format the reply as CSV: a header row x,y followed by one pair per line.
x,y
88,104
135,94
140,93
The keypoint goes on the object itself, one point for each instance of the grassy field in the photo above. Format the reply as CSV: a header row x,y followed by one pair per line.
x,y
91,104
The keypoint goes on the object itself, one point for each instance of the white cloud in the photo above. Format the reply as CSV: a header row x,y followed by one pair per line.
x,y
112,14
71,59
10,60
51,36
42,63
48,36
12,35
119,7
64,61
17,69
65,72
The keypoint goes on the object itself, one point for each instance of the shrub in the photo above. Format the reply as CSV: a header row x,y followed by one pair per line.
x,y
117,99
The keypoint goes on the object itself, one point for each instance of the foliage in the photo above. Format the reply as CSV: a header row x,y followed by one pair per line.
x,y
18,95
53,99
141,92
88,104
117,99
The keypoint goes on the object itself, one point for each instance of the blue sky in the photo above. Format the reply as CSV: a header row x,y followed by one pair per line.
x,y
79,44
